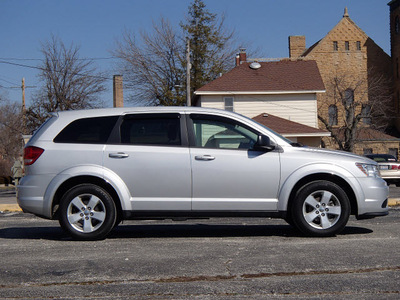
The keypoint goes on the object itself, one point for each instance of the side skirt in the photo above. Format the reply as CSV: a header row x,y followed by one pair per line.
x,y
183,215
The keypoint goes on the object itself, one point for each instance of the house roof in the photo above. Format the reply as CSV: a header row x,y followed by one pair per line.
x,y
285,76
289,128
369,134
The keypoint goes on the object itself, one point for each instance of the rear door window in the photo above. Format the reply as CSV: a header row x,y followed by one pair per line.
x,y
157,129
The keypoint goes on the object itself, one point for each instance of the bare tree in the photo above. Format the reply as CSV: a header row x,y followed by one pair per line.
x,y
153,65
69,82
11,136
154,62
353,103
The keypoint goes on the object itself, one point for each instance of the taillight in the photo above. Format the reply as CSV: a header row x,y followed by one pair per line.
x,y
395,167
31,154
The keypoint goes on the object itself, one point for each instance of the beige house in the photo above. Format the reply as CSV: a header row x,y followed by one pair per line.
x,y
284,89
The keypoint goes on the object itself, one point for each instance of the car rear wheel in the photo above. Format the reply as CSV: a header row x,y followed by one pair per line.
x,y
87,212
321,208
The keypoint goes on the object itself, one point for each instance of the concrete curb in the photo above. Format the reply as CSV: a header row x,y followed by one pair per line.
x,y
394,202
10,207
16,208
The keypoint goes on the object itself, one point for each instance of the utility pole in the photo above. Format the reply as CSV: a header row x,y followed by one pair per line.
x,y
23,106
23,86
23,96
188,67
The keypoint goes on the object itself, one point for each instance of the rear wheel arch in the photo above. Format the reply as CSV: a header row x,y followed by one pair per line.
x,y
78,180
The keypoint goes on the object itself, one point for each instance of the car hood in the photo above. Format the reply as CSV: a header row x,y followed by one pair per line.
x,y
336,154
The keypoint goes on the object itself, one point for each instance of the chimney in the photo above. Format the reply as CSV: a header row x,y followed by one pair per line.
x,y
297,45
241,57
346,13
118,94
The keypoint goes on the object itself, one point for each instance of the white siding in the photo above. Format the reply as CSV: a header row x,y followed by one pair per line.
x,y
300,108
213,102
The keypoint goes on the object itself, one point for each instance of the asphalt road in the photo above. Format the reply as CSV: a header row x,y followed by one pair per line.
x,y
201,259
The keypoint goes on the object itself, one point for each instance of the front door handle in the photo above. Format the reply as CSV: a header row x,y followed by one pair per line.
x,y
204,157
118,155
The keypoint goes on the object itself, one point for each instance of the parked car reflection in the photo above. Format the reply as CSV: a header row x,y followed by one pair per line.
x,y
389,167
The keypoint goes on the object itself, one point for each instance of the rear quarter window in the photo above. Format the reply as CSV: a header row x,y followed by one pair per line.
x,y
87,131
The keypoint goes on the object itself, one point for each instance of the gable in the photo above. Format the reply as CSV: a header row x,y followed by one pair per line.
x,y
345,30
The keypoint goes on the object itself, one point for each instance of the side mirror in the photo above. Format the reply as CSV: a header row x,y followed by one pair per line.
x,y
264,144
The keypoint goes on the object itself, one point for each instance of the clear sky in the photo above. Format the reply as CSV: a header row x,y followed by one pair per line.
x,y
94,25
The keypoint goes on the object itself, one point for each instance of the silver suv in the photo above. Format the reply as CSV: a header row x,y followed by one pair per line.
x,y
91,169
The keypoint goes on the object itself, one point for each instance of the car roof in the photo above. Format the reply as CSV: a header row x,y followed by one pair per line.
x,y
127,110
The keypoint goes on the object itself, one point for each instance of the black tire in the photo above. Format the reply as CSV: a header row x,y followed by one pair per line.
x,y
87,212
289,219
321,208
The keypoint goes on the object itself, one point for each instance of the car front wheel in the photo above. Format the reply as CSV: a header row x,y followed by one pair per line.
x,y
87,212
321,208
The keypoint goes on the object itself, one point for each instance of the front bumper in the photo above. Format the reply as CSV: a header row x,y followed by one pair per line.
x,y
371,215
375,200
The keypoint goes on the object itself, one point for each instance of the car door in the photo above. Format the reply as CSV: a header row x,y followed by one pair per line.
x,y
152,158
227,174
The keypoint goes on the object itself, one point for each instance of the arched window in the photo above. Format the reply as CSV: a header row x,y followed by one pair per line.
x,y
366,113
349,96
333,116
349,106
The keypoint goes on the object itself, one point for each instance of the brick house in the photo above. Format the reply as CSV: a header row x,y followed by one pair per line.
x,y
395,53
347,56
286,90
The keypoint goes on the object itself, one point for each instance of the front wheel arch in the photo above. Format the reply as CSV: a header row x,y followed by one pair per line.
x,y
326,177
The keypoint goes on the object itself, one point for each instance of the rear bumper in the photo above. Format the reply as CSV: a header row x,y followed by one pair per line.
x,y
30,193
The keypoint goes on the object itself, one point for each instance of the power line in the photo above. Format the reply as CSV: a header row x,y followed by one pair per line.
x,y
9,82
40,59
43,69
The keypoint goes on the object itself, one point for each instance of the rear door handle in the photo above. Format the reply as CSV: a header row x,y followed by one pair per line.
x,y
204,157
118,155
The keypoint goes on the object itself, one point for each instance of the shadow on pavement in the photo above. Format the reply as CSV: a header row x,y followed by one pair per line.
x,y
171,231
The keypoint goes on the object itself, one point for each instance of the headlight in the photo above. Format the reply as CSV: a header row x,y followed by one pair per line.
x,y
369,169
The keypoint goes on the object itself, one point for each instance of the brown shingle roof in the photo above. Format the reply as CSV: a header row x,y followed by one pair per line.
x,y
369,134
286,127
285,75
